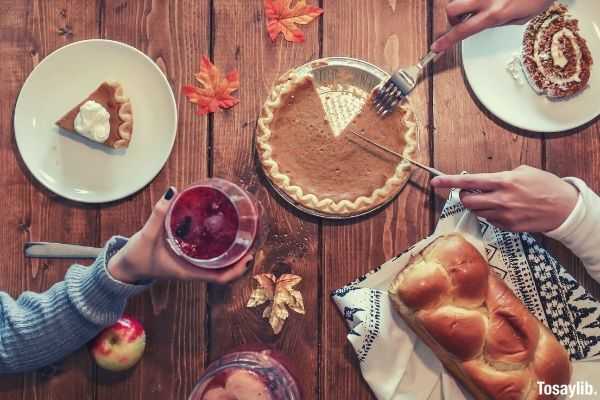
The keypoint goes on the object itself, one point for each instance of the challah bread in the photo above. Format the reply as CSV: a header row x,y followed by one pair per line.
x,y
476,326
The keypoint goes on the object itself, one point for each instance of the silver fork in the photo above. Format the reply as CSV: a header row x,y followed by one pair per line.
x,y
391,92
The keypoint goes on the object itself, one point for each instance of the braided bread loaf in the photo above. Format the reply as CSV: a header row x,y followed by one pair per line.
x,y
475,325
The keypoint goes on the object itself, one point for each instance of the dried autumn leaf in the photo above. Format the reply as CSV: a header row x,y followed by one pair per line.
x,y
264,292
267,312
215,90
257,298
288,281
298,304
286,294
282,18
277,317
281,293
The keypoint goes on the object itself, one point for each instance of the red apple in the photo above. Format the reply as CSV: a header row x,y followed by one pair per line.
x,y
120,346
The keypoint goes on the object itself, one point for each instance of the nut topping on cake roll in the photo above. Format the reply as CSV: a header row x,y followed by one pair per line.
x,y
556,59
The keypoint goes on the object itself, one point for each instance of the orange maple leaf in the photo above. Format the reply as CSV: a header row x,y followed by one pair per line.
x,y
214,91
282,18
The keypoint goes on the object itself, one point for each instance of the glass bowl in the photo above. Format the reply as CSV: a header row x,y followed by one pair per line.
x,y
259,373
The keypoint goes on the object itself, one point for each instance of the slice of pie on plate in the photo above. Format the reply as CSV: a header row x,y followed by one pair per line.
x,y
334,174
105,117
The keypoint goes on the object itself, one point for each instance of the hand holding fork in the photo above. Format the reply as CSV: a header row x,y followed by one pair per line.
x,y
473,16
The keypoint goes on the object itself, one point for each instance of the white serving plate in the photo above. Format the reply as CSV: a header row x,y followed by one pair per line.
x,y
485,57
72,166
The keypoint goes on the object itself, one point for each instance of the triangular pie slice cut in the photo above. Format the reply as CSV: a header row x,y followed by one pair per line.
x,y
332,174
114,123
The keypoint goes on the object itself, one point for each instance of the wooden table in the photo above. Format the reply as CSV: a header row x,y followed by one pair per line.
x,y
190,324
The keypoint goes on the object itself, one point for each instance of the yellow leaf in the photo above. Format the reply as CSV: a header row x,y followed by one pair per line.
x,y
267,312
258,297
280,292
288,281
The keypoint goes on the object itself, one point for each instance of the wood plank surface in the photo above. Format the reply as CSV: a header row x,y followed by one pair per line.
x,y
291,241
174,34
467,137
29,32
389,34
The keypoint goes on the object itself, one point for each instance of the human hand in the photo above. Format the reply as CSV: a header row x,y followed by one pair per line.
x,y
147,256
524,199
486,14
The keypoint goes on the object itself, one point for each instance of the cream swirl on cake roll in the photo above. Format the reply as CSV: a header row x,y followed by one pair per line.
x,y
556,59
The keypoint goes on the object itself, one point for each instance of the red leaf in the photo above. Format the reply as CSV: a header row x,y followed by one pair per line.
x,y
214,91
282,18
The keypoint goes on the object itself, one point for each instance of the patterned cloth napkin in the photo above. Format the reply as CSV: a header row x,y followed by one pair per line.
x,y
397,365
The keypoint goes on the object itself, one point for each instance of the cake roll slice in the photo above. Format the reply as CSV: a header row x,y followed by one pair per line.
x,y
556,58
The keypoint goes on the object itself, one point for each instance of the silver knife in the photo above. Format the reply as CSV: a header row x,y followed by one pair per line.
x,y
59,250
431,170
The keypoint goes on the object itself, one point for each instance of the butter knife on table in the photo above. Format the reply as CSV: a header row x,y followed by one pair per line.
x,y
59,250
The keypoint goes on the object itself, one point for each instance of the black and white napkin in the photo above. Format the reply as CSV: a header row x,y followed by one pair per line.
x,y
398,366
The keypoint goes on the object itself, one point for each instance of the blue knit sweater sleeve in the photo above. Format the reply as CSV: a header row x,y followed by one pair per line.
x,y
41,328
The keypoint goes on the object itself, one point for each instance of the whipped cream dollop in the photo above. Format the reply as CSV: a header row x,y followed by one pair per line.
x,y
92,121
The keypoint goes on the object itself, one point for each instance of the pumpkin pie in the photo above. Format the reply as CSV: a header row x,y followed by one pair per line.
x,y
105,116
336,174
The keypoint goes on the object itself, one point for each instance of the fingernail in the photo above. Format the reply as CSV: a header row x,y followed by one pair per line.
x,y
169,194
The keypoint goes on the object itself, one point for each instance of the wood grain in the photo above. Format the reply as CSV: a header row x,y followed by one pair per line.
x,y
29,32
467,137
18,61
174,34
291,240
388,34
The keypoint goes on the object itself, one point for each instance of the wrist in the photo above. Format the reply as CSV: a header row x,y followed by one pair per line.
x,y
120,270
567,202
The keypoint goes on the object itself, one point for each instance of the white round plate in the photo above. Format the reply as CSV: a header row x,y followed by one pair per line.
x,y
485,57
72,166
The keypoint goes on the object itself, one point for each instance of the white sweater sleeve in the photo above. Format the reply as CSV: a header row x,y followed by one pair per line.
x,y
581,230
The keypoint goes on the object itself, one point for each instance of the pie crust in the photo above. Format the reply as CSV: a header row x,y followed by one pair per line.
x,y
110,95
282,169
